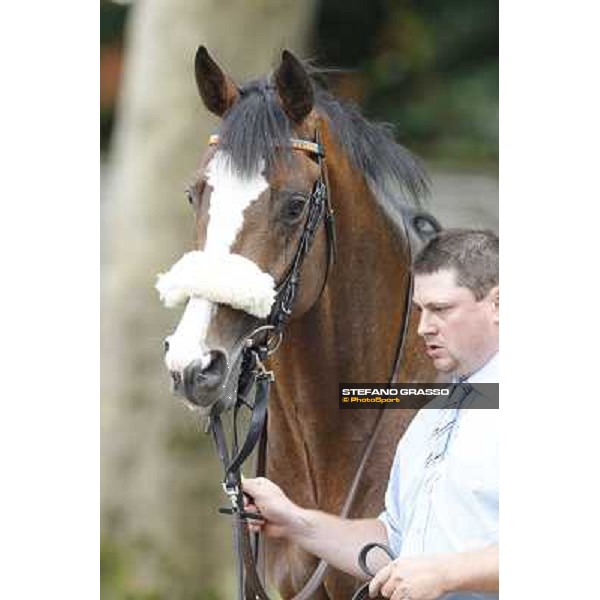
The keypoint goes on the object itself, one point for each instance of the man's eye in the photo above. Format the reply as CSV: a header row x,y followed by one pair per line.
x,y
439,309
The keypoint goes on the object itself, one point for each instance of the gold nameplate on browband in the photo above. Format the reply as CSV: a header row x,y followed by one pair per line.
x,y
297,144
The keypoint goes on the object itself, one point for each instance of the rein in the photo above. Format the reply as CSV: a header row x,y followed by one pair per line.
x,y
254,374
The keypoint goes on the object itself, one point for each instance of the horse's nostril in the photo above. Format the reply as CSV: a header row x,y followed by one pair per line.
x,y
202,380
166,346
217,365
212,374
176,377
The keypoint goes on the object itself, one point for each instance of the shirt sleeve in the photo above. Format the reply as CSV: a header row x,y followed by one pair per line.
x,y
390,516
394,534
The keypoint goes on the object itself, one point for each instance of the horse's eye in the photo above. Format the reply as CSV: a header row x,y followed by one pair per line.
x,y
293,208
189,196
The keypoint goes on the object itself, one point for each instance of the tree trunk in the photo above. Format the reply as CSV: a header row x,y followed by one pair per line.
x,y
160,475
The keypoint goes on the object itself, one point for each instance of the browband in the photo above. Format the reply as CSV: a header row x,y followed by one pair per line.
x,y
296,143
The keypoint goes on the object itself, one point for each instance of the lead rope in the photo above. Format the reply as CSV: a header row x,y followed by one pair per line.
x,y
362,593
316,579
248,580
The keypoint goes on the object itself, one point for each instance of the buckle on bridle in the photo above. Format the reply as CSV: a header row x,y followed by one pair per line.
x,y
262,372
272,342
232,492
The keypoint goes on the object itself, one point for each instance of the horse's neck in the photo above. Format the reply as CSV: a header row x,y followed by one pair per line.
x,y
351,335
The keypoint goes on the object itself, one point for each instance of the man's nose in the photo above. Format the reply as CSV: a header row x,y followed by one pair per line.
x,y
426,325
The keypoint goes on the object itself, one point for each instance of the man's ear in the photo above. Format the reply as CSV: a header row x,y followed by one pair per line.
x,y
218,91
494,295
294,87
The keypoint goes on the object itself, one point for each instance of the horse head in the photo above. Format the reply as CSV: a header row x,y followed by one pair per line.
x,y
251,197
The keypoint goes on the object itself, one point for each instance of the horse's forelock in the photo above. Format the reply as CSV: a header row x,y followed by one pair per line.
x,y
256,127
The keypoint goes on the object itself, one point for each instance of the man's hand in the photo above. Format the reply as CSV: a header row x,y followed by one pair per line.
x,y
410,579
333,538
280,513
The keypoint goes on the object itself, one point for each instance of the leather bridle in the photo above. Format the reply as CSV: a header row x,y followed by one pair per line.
x,y
264,341
319,208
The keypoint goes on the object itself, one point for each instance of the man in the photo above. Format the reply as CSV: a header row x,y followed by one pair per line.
x,y
441,505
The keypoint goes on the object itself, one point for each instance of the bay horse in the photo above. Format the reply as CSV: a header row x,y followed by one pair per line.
x,y
249,198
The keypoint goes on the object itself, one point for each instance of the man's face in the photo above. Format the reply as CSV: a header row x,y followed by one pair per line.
x,y
460,332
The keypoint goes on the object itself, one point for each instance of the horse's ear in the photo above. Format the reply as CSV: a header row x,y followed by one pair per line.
x,y
217,90
294,87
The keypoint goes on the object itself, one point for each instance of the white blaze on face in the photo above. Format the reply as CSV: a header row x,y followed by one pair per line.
x,y
231,196
187,343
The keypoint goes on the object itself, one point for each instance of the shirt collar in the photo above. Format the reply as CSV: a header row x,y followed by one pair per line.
x,y
488,373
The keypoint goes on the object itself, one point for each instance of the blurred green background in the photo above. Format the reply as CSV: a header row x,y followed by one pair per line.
x,y
429,67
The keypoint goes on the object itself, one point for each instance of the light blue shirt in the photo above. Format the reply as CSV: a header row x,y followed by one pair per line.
x,y
443,490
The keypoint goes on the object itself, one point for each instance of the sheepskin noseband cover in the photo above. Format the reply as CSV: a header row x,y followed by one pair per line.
x,y
223,278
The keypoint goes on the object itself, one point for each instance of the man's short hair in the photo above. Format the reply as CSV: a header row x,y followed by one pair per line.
x,y
471,253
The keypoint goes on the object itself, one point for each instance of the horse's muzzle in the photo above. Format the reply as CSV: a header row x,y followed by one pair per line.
x,y
200,385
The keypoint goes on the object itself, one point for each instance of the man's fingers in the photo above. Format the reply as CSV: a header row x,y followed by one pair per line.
x,y
255,523
255,526
250,506
252,511
400,594
253,486
248,485
380,578
388,589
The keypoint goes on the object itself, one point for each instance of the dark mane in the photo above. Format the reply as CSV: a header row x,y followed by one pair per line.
x,y
256,127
